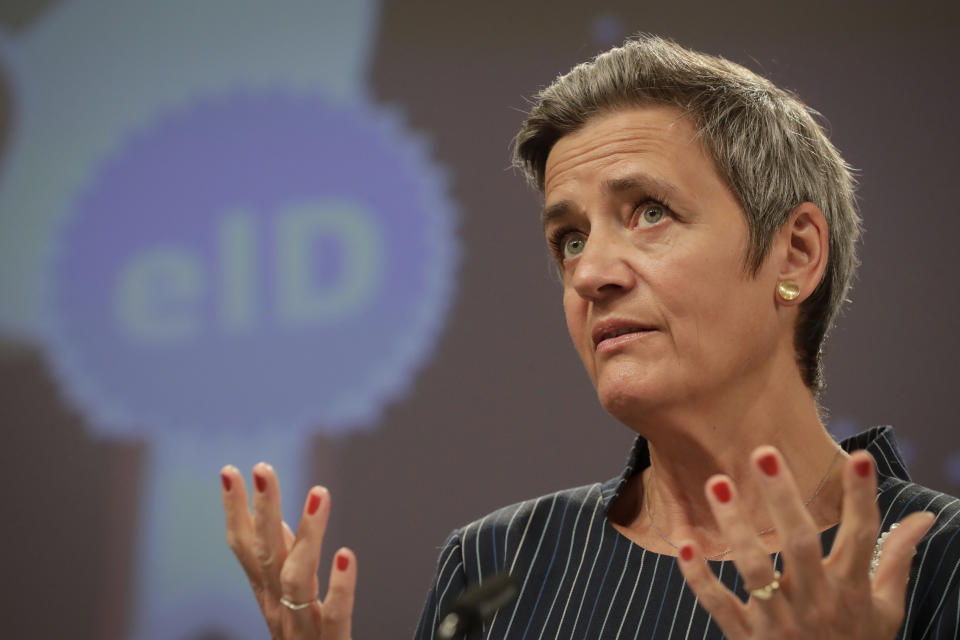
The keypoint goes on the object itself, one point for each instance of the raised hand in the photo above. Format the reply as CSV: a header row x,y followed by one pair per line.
x,y
816,597
281,566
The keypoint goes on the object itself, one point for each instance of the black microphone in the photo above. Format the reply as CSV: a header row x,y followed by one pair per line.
x,y
477,604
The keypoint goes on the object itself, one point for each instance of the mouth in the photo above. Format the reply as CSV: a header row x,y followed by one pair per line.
x,y
611,333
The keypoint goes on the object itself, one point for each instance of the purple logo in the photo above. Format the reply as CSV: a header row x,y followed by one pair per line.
x,y
252,261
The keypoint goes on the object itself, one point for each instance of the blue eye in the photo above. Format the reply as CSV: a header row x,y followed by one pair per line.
x,y
573,245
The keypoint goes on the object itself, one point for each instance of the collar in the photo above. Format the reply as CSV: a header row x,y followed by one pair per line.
x,y
878,441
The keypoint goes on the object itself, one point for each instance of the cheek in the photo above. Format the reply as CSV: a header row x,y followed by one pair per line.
x,y
575,311
572,309
707,302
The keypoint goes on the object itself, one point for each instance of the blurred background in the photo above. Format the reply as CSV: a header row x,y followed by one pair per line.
x,y
234,231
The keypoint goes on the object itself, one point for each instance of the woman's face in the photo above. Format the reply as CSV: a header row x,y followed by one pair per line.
x,y
651,244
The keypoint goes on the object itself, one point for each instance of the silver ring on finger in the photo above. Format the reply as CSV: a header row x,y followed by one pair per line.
x,y
766,591
293,606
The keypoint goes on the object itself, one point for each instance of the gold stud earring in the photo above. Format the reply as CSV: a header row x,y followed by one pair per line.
x,y
788,290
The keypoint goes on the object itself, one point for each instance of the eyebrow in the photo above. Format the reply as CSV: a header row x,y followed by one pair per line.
x,y
614,186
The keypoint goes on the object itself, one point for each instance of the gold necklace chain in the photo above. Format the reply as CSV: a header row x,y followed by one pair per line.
x,y
717,556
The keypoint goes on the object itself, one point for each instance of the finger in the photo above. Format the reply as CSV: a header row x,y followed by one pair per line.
x,y
751,558
288,537
857,535
338,605
720,602
890,580
298,578
802,551
239,524
268,528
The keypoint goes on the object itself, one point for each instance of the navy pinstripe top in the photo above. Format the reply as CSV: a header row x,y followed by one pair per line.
x,y
580,578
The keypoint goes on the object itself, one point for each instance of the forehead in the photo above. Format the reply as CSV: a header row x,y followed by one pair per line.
x,y
653,140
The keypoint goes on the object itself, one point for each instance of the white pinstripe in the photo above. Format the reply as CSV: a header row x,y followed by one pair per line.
x,y
515,555
923,560
956,623
693,614
723,564
916,581
643,612
530,565
586,545
885,458
566,567
643,557
613,598
436,613
940,604
463,544
893,501
583,596
479,567
506,537
676,609
453,550
453,574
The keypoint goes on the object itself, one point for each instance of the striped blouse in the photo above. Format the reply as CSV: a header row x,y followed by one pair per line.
x,y
579,578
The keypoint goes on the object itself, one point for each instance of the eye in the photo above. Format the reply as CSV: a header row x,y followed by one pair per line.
x,y
573,245
566,243
652,213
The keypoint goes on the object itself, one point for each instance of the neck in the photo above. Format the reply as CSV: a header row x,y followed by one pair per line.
x,y
689,444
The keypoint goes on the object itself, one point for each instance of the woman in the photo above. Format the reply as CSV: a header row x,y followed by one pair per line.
x,y
705,232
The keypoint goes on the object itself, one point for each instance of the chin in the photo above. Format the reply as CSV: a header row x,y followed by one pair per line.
x,y
628,395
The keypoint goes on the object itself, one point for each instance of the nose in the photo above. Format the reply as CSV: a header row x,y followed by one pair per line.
x,y
603,267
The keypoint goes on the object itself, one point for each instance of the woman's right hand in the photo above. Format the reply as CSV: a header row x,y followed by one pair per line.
x,y
281,566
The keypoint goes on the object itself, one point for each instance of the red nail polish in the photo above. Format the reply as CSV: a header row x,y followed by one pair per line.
x,y
343,562
768,464
722,491
313,503
225,479
863,468
260,481
686,552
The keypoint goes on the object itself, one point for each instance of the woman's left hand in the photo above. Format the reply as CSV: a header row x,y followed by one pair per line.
x,y
816,597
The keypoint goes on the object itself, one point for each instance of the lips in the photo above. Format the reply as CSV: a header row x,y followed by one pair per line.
x,y
611,329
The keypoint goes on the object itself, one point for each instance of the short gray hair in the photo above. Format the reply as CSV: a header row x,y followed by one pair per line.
x,y
764,141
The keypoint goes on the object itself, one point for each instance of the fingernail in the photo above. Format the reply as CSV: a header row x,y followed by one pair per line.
x,y
768,464
862,467
343,562
686,552
722,491
260,481
225,479
313,503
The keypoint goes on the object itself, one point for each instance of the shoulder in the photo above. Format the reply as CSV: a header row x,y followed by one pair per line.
x,y
898,498
537,514
518,539
933,595
517,533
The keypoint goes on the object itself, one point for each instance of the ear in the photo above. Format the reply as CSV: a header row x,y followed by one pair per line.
x,y
804,248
